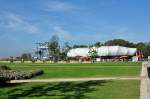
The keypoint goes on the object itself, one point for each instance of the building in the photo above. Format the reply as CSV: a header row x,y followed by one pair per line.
x,y
104,53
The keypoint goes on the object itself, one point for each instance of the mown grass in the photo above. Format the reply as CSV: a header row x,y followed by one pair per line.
x,y
111,89
76,70
72,90
67,72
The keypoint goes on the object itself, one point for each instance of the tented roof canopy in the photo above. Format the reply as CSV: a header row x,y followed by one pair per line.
x,y
103,51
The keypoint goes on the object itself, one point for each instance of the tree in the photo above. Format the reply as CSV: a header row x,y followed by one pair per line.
x,y
54,48
80,46
11,59
93,53
119,42
98,44
147,50
141,46
25,57
65,50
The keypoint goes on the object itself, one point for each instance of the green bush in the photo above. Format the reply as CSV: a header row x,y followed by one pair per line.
x,y
4,79
4,67
7,74
12,74
37,72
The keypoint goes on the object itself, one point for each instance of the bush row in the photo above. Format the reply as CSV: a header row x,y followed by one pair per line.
x,y
4,67
8,74
16,75
3,79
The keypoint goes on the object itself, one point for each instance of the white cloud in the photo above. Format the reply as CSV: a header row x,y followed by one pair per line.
x,y
13,22
64,34
58,6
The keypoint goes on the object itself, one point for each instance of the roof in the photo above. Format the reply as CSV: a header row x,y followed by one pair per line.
x,y
103,51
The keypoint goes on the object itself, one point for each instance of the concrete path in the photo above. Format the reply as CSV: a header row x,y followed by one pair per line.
x,y
145,82
75,79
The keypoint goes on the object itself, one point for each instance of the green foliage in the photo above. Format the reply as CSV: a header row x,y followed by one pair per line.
x,y
65,50
119,42
80,46
4,67
37,72
15,75
11,59
54,48
4,79
98,44
25,57
147,50
141,46
93,53
33,60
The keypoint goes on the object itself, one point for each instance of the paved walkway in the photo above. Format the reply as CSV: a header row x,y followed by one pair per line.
x,y
145,82
75,79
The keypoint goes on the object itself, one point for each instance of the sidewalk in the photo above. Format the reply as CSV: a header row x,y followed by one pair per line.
x,y
75,79
145,82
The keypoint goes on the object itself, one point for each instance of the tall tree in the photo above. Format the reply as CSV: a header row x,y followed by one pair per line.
x,y
119,42
141,46
147,50
64,51
54,48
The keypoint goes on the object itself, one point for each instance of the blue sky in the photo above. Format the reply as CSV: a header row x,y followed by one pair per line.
x,y
25,22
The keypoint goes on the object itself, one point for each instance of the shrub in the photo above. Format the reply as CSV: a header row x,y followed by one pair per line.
x,y
33,60
37,72
6,72
4,79
4,67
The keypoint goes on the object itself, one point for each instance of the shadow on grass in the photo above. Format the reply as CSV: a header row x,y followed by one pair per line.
x,y
63,90
5,85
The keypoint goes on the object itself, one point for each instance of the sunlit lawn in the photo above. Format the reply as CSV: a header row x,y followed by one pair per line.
x,y
111,89
108,69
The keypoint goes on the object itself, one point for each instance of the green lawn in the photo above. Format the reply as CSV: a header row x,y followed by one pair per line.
x,y
108,69
72,90
113,89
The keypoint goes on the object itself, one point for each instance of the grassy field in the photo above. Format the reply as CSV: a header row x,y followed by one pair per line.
x,y
108,69
72,90
111,89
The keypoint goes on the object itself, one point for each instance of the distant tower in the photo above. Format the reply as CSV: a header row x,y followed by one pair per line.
x,y
41,50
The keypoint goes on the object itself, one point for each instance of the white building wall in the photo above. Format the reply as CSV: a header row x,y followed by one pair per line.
x,y
103,51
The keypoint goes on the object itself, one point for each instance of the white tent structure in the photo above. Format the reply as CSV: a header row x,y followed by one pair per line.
x,y
103,51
